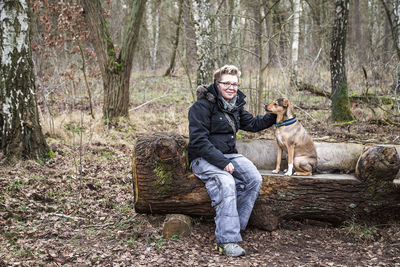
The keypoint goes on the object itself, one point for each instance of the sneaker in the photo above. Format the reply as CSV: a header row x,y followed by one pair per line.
x,y
231,249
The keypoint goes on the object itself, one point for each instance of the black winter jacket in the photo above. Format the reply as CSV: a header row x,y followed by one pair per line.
x,y
210,134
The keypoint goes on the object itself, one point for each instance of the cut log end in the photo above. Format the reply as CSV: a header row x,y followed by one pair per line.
x,y
378,161
177,225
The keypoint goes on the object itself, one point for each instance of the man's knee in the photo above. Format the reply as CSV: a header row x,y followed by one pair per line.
x,y
228,185
258,179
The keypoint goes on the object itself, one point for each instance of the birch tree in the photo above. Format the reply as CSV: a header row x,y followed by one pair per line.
x,y
202,22
115,67
295,42
20,132
153,28
340,97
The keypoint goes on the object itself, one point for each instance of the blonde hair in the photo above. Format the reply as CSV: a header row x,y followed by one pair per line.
x,y
227,69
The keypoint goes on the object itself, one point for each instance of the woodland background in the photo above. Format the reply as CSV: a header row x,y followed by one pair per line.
x,y
75,206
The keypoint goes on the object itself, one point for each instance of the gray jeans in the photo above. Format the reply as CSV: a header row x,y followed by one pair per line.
x,y
232,196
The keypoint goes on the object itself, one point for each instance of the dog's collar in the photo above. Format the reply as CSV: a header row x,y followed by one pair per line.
x,y
286,123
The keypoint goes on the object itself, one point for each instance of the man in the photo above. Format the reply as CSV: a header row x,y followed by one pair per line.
x,y
232,181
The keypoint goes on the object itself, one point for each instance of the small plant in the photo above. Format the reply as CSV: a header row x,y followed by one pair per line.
x,y
75,128
156,240
14,187
361,231
160,242
50,153
174,237
107,154
131,242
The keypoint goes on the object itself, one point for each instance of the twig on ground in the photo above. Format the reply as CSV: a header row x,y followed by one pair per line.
x,y
148,102
66,216
97,225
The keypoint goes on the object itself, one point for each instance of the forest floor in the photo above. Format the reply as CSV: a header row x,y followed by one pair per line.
x,y
77,209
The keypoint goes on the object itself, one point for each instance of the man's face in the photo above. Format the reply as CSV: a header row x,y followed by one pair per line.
x,y
228,86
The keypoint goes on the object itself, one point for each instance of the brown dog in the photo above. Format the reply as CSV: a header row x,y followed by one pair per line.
x,y
293,139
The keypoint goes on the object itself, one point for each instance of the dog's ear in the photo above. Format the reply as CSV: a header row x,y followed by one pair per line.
x,y
286,102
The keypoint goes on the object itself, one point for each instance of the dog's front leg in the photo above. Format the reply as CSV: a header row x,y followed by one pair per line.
x,y
278,160
290,161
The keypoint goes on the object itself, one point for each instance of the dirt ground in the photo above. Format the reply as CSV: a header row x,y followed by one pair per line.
x,y
77,210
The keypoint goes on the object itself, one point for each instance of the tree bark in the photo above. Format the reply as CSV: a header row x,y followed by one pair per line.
x,y
340,95
356,22
205,60
163,184
153,28
257,8
20,131
295,42
115,69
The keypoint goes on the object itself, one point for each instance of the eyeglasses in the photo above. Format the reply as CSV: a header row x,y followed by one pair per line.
x,y
227,85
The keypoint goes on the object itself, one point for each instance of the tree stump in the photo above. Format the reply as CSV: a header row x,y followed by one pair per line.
x,y
177,225
164,185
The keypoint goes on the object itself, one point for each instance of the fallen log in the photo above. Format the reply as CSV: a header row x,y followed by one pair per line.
x,y
164,185
302,86
370,99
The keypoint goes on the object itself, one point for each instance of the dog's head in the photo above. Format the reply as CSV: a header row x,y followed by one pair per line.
x,y
280,106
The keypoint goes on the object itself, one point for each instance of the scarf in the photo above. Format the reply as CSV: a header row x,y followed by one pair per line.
x,y
229,105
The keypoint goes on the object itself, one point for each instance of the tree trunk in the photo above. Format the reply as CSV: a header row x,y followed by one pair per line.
x,y
153,28
340,96
20,132
163,184
115,69
205,60
269,31
393,19
260,52
171,67
233,48
356,26
295,42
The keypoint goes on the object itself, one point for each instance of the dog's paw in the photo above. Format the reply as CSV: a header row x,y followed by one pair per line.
x,y
290,170
288,173
275,171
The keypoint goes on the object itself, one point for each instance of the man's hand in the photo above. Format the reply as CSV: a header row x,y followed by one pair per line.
x,y
229,168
